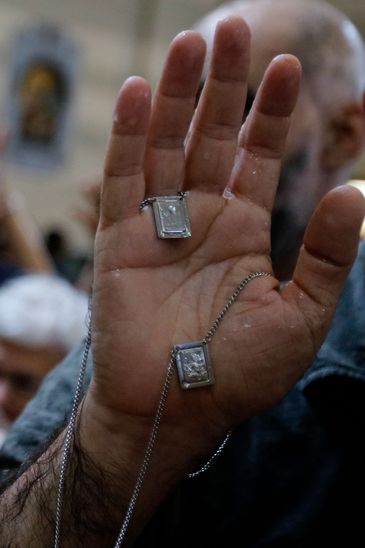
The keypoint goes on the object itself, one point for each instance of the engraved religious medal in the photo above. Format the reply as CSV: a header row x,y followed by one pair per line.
x,y
193,365
171,216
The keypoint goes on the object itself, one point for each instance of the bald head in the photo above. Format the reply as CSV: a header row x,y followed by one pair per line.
x,y
327,132
326,42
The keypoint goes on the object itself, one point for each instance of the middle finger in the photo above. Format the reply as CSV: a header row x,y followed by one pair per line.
x,y
213,137
172,109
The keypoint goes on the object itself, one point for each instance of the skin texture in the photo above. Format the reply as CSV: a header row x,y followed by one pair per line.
x,y
326,133
22,369
150,294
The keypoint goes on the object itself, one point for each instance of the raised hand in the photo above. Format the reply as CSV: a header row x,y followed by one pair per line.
x,y
150,294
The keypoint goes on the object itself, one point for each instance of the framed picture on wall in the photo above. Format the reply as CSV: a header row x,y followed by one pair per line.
x,y
41,90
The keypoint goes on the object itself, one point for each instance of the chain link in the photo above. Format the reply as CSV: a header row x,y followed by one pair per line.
x,y
212,459
207,339
209,336
70,431
150,201
146,202
148,453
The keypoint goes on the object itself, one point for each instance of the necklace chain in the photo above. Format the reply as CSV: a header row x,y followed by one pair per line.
x,y
70,431
150,201
155,426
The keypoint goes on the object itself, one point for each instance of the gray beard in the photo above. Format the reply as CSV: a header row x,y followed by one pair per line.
x,y
286,233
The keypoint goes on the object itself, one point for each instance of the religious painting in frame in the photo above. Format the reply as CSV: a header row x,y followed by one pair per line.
x,y
41,91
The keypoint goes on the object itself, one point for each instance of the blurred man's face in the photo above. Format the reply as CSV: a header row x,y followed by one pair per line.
x,y
22,369
299,187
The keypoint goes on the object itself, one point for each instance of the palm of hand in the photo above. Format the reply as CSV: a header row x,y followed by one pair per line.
x,y
150,294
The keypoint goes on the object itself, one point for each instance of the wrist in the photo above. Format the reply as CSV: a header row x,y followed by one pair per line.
x,y
118,439
135,473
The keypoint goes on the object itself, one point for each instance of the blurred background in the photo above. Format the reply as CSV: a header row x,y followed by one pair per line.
x,y
110,41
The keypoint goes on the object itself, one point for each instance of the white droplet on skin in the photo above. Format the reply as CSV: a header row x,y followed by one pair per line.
x,y
228,194
182,34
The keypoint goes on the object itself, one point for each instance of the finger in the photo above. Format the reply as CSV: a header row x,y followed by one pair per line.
x,y
172,110
123,185
213,138
262,140
330,246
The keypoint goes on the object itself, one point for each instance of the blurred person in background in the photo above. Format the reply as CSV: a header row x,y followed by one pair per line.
x,y
21,242
42,317
87,215
327,130
21,245
68,262
77,268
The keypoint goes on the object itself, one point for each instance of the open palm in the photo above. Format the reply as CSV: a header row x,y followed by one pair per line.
x,y
150,294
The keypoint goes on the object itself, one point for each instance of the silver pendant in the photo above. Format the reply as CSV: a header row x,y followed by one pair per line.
x,y
193,365
171,216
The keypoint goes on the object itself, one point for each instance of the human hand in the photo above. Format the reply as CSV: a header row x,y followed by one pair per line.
x,y
150,294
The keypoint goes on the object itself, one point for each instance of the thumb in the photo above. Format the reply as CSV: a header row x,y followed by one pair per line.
x,y
330,247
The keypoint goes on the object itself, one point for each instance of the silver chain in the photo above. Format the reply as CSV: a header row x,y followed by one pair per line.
x,y
207,339
68,442
209,336
212,459
155,426
148,454
150,201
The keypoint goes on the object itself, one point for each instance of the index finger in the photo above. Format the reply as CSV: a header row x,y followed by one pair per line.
x,y
123,186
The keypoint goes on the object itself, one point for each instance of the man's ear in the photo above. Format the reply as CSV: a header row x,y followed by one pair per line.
x,y
345,137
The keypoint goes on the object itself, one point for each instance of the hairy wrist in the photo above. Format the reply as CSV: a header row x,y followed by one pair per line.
x,y
104,464
28,505
120,441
